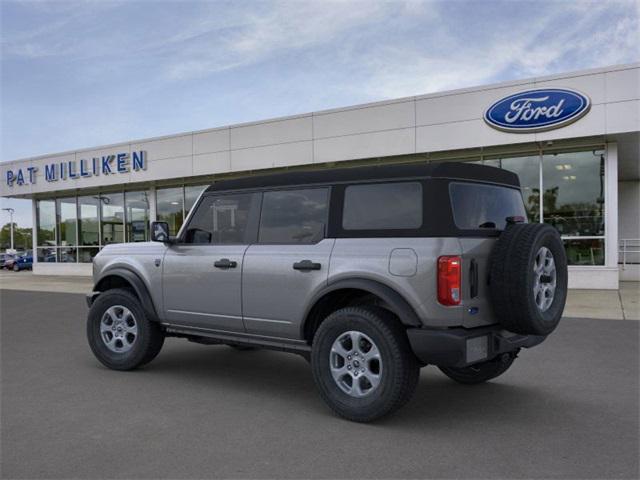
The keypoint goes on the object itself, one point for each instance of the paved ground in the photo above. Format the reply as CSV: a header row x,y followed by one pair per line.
x,y
26,280
608,304
567,409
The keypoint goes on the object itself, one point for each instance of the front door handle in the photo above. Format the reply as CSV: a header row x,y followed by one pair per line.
x,y
225,263
306,265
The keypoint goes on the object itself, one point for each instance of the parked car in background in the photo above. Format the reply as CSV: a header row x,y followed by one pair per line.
x,y
7,260
23,262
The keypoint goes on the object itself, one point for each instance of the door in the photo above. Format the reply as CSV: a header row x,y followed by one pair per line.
x,y
289,263
202,273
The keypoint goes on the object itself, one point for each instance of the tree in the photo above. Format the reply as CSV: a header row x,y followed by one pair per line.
x,y
22,237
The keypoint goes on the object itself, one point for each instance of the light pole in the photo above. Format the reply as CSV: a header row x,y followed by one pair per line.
x,y
11,212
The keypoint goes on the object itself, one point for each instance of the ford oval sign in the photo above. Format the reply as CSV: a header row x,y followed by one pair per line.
x,y
537,110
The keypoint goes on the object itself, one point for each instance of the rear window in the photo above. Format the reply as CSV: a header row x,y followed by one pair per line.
x,y
383,206
477,206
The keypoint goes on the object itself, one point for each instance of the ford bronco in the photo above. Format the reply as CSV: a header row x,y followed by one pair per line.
x,y
368,272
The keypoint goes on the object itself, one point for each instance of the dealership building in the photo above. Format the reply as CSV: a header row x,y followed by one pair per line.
x,y
573,139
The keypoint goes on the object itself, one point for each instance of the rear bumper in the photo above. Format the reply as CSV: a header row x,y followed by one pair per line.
x,y
459,347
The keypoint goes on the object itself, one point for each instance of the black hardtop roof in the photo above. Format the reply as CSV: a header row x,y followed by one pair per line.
x,y
453,170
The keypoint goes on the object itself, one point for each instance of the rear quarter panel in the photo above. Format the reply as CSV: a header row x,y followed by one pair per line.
x,y
387,261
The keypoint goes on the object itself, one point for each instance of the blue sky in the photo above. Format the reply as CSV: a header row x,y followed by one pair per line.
x,y
80,74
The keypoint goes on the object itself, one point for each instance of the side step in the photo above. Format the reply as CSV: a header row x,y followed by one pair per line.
x,y
214,337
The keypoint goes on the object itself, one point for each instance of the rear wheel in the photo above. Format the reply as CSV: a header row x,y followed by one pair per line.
x,y
480,372
16,268
362,363
119,332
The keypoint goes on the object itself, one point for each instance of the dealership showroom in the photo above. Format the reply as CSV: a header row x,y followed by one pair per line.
x,y
581,175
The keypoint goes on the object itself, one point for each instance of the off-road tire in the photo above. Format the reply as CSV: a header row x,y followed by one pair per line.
x,y
399,375
511,278
480,372
148,343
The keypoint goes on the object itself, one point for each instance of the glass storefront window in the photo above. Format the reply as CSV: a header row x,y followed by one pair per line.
x,y
67,213
112,222
88,220
46,219
137,216
67,255
86,254
574,192
47,255
572,199
528,170
170,207
585,251
191,194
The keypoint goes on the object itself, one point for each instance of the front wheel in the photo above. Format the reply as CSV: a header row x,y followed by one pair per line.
x,y
480,372
362,363
16,268
119,332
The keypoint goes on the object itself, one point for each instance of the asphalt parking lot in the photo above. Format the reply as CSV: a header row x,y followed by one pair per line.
x,y
566,409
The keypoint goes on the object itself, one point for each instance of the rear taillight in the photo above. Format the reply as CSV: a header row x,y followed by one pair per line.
x,y
449,280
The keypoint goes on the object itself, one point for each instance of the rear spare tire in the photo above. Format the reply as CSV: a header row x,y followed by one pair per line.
x,y
528,278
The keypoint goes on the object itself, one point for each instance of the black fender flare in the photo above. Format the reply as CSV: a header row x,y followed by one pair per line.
x,y
396,302
139,287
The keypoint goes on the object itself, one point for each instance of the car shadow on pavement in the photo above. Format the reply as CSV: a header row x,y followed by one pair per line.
x,y
437,402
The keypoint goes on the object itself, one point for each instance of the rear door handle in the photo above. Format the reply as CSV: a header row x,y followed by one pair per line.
x,y
225,263
306,265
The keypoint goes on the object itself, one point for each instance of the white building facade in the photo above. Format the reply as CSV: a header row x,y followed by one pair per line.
x,y
579,167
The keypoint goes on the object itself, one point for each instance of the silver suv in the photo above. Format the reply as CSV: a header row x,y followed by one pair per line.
x,y
370,273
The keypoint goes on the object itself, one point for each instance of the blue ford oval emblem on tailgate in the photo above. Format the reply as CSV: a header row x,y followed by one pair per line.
x,y
537,110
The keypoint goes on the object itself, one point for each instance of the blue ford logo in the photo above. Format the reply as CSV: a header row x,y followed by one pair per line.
x,y
537,110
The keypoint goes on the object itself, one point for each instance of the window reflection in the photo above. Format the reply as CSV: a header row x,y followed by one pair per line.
x,y
170,205
88,220
574,193
86,254
112,218
67,213
585,251
47,255
528,171
137,216
46,222
191,194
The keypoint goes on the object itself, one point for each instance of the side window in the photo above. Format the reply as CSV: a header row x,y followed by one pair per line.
x,y
294,216
382,206
221,219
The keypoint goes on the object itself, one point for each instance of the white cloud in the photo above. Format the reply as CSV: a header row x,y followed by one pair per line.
x,y
525,48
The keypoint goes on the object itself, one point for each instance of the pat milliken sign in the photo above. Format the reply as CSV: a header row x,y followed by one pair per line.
x,y
537,110
117,163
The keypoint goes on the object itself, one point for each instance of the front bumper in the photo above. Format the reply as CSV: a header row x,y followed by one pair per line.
x,y
460,347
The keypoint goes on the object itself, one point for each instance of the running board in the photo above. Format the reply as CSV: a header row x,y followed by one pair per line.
x,y
215,336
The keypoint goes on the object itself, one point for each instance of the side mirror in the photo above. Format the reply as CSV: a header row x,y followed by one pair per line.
x,y
160,232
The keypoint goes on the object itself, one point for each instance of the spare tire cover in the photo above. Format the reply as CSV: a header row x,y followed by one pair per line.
x,y
528,278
